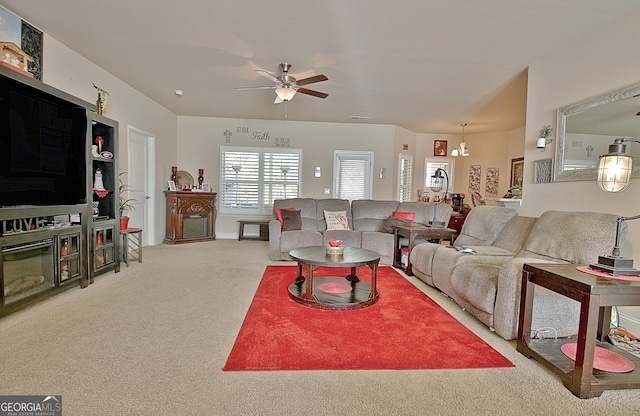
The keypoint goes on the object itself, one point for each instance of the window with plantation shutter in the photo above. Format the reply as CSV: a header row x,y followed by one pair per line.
x,y
353,175
251,178
430,167
404,177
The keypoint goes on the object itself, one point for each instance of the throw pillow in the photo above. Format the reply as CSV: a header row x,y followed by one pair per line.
x,y
410,216
279,214
291,220
336,220
389,224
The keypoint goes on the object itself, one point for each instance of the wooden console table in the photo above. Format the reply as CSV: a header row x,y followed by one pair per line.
x,y
414,233
596,296
191,217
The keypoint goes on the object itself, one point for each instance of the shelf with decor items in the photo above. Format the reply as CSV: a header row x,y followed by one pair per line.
x,y
103,139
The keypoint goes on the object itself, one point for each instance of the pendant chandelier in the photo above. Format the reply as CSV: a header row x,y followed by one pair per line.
x,y
462,149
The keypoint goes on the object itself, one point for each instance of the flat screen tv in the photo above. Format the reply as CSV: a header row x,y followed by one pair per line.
x,y
42,147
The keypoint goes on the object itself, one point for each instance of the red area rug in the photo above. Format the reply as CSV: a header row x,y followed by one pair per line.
x,y
404,330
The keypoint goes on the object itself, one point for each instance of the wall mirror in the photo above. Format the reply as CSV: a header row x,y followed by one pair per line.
x,y
586,129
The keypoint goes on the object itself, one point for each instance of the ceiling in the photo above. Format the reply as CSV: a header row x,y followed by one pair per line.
x,y
424,65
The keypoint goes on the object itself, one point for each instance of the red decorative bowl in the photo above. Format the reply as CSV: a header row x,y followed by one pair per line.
x,y
335,243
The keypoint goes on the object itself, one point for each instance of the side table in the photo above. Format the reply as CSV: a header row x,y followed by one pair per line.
x,y
414,233
135,244
596,296
264,230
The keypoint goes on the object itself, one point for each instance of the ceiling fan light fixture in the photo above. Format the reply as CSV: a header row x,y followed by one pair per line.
x,y
285,93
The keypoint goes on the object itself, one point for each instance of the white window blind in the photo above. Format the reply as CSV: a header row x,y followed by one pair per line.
x,y
251,178
353,175
405,176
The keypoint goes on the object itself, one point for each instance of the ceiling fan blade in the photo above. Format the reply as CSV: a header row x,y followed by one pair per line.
x,y
311,80
267,75
254,88
312,92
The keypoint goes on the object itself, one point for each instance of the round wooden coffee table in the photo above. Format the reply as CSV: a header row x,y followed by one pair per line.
x,y
332,292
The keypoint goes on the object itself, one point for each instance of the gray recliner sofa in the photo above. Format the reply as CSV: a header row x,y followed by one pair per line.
x,y
365,217
487,281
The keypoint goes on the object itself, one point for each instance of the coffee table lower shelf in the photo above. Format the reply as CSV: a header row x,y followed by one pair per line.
x,y
357,296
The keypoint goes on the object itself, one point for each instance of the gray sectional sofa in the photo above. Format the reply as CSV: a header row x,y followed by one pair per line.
x,y
365,217
487,281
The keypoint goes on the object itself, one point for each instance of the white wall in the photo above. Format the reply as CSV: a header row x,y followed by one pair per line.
x,y
68,71
200,139
596,65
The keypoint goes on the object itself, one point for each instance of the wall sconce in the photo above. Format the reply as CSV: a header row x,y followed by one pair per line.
x,y
545,138
614,175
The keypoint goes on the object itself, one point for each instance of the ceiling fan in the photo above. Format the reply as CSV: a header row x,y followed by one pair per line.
x,y
286,86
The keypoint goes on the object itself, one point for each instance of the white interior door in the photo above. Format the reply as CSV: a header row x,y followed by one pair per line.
x,y
140,148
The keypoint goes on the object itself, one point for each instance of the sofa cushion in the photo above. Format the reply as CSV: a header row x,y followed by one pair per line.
x,y
291,220
278,212
307,207
573,237
336,220
483,225
369,215
409,216
333,205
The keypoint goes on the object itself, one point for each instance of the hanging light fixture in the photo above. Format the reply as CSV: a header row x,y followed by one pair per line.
x,y
462,149
285,92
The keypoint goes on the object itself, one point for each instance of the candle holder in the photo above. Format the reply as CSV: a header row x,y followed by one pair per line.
x,y
174,174
200,178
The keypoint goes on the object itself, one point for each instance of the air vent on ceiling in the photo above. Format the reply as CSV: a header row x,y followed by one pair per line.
x,y
359,117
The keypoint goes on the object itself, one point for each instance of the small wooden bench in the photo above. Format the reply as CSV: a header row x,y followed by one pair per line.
x,y
264,230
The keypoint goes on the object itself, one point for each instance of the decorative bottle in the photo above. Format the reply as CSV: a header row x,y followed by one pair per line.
x,y
174,174
200,178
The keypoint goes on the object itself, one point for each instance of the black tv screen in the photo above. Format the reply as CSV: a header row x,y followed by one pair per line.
x,y
42,148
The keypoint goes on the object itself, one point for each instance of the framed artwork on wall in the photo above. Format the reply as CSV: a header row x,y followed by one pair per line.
x,y
517,171
474,178
493,178
543,170
440,148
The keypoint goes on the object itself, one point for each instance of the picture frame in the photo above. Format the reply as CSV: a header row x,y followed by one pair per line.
x,y
206,187
517,172
172,186
543,170
440,148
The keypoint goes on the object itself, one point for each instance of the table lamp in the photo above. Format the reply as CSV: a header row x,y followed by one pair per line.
x,y
436,186
614,175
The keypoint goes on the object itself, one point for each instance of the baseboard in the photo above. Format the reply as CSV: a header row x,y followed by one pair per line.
x,y
630,324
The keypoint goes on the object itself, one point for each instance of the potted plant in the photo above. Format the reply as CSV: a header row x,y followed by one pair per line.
x,y
124,204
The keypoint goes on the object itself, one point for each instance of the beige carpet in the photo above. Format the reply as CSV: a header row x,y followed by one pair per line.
x,y
152,340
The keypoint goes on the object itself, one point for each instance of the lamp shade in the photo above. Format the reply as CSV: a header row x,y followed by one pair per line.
x,y
285,93
614,172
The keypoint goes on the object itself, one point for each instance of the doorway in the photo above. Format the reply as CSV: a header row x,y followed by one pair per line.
x,y
140,178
